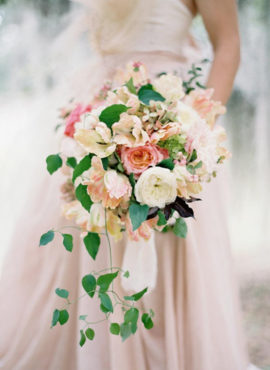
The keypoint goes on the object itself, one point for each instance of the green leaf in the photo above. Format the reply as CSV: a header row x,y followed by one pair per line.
x,y
90,333
63,293
193,156
132,180
130,86
54,162
46,238
83,317
105,280
68,242
105,163
115,328
89,284
125,330
167,163
126,274
161,219
132,316
198,165
146,94
92,243
147,321
71,162
106,301
111,114
138,214
180,228
63,317
82,166
83,338
83,197
136,296
56,314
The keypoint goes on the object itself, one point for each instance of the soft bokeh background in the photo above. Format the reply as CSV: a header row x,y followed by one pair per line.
x,y
35,59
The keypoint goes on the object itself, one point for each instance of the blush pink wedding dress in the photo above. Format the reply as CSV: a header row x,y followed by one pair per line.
x,y
197,320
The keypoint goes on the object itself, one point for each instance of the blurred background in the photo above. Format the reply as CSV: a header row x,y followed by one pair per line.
x,y
35,59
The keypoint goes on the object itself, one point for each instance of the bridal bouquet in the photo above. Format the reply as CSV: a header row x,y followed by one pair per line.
x,y
134,160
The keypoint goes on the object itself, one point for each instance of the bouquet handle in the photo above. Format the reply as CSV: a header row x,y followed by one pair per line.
x,y
140,259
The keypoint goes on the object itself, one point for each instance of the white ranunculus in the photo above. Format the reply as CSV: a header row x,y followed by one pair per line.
x,y
170,87
187,116
156,187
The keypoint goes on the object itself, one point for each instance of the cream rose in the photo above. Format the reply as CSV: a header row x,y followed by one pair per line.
x,y
170,87
156,187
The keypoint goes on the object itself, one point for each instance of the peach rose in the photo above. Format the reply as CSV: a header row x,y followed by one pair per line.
x,y
138,159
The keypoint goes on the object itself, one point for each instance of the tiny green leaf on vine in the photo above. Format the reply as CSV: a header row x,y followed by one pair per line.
x,y
63,317
126,274
125,330
138,214
130,86
83,338
63,293
83,317
89,284
161,219
105,280
82,166
92,243
136,296
115,328
68,242
56,314
83,197
90,333
46,238
106,302
71,162
147,321
132,316
180,228
54,162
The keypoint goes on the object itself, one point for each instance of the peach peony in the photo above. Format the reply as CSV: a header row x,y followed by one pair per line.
x,y
138,159
129,131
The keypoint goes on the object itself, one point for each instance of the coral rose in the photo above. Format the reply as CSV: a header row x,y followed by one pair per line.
x,y
138,159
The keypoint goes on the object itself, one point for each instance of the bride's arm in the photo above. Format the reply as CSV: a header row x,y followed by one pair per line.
x,y
220,19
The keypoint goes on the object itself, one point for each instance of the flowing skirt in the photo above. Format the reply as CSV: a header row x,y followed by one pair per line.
x,y
197,323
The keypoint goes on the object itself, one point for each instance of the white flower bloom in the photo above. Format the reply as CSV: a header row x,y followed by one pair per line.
x,y
156,187
170,87
97,217
186,115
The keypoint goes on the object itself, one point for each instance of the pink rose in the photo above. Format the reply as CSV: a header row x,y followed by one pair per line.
x,y
74,117
138,159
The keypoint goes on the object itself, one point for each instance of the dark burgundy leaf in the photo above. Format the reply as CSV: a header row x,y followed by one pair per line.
x,y
182,208
191,199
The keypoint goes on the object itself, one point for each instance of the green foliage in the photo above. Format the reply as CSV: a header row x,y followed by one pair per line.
x,y
111,114
138,214
63,317
68,242
46,238
54,162
126,274
136,296
106,302
131,316
83,338
89,284
71,162
174,145
192,169
83,317
56,314
195,73
161,219
63,293
104,281
147,93
82,166
125,330
90,333
193,156
92,243
83,197
147,321
115,328
167,163
180,228
105,163
130,86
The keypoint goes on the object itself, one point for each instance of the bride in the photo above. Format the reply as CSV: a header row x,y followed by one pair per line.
x,y
197,321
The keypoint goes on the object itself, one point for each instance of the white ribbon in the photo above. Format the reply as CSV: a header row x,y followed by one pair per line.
x,y
140,259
